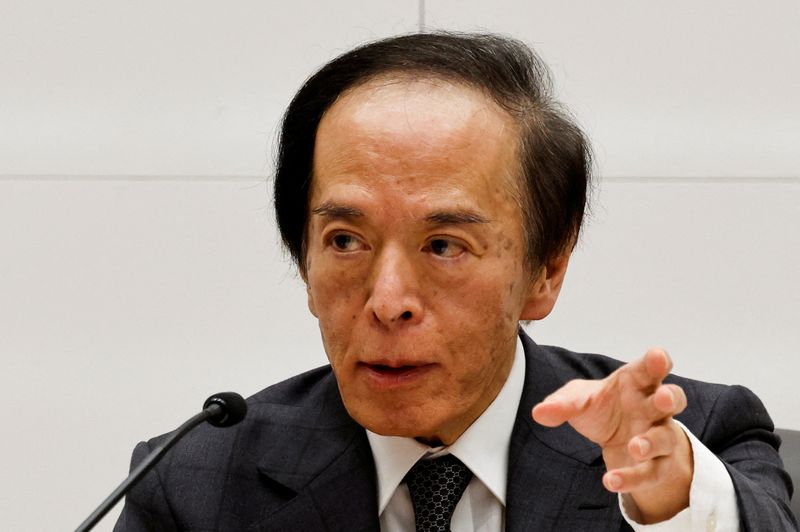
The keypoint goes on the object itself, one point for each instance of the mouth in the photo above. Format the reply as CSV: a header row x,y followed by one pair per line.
x,y
385,376
391,370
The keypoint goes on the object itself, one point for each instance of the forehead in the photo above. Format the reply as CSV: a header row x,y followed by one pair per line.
x,y
431,132
416,105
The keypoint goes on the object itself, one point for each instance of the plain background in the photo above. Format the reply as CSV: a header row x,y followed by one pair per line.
x,y
139,267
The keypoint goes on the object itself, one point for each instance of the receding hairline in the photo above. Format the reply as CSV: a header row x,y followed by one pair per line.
x,y
421,74
391,77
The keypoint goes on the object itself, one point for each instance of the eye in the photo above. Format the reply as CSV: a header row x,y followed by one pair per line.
x,y
345,242
443,247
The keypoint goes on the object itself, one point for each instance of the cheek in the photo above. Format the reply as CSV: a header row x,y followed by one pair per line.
x,y
337,296
335,288
481,311
492,295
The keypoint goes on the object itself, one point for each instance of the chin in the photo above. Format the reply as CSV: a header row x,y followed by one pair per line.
x,y
407,423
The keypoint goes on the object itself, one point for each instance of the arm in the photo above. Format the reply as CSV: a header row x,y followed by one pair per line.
x,y
740,432
145,507
633,405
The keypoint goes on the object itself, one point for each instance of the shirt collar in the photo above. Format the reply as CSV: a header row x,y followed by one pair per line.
x,y
483,447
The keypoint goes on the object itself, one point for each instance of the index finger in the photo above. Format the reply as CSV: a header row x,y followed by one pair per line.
x,y
565,403
651,369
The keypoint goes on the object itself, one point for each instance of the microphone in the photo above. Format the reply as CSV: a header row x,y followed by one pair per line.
x,y
222,409
228,408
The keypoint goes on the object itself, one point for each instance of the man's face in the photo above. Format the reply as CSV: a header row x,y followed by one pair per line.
x,y
415,260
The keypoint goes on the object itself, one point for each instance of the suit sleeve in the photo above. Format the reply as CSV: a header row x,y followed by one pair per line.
x,y
740,433
146,508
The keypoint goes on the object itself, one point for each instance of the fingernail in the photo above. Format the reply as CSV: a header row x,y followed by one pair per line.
x,y
644,446
614,482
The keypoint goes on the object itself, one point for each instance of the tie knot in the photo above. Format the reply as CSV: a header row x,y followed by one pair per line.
x,y
436,485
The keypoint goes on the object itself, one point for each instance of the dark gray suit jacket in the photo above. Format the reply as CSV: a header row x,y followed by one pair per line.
x,y
299,462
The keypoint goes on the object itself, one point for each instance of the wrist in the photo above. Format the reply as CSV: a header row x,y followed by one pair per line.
x,y
668,497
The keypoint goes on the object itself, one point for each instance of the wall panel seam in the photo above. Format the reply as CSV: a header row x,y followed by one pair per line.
x,y
263,178
134,178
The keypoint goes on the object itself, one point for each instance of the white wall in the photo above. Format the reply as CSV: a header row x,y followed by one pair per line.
x,y
139,268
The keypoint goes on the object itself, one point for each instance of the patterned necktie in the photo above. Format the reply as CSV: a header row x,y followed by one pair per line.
x,y
436,485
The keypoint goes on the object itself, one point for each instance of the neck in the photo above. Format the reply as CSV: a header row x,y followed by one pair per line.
x,y
435,442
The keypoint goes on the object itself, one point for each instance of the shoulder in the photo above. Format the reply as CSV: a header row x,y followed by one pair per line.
x,y
575,365
308,399
238,473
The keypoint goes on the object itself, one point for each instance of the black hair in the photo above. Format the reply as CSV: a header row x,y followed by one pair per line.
x,y
554,155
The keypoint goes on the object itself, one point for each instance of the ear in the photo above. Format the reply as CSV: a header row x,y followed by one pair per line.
x,y
312,306
545,288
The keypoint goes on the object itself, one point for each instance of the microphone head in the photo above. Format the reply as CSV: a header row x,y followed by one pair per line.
x,y
231,408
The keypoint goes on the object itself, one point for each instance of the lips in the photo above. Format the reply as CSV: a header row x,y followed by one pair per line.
x,y
390,370
396,375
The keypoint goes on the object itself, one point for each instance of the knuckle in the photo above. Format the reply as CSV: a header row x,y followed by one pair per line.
x,y
671,438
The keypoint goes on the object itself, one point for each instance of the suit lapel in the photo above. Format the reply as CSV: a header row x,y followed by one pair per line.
x,y
554,477
322,464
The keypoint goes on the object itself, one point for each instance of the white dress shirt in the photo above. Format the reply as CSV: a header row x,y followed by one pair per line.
x,y
483,448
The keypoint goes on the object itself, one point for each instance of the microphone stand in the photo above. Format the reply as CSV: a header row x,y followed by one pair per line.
x,y
213,410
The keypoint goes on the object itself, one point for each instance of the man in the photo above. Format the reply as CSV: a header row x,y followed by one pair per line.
x,y
431,191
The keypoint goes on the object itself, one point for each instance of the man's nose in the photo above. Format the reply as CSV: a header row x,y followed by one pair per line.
x,y
395,297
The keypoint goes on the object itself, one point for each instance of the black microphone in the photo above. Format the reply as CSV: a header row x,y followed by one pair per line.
x,y
221,410
227,409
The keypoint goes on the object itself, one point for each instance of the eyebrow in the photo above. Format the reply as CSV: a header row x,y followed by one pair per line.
x,y
455,218
335,211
